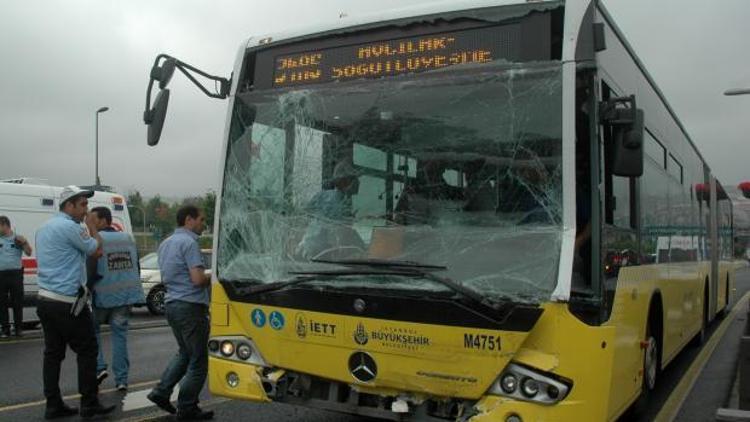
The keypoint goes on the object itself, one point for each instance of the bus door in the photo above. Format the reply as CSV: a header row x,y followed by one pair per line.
x,y
620,241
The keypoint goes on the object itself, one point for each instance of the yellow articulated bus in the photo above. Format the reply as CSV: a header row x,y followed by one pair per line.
x,y
469,211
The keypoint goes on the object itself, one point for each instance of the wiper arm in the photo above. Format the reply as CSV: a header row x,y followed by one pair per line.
x,y
303,276
382,263
414,271
418,269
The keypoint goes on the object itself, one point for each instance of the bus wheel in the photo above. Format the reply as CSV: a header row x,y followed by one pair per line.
x,y
650,373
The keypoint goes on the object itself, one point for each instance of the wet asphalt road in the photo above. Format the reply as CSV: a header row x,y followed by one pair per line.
x,y
151,348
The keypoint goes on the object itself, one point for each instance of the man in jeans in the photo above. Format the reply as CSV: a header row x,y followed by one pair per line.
x,y
11,277
115,280
186,303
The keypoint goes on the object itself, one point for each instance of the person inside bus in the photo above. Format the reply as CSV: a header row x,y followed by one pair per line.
x,y
422,199
529,179
329,232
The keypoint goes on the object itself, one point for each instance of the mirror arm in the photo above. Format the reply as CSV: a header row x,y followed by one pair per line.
x,y
611,114
223,82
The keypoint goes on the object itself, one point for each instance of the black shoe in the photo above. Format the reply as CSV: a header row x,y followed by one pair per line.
x,y
163,403
90,412
195,414
61,411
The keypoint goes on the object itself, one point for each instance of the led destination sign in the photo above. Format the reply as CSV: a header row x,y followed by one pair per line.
x,y
396,57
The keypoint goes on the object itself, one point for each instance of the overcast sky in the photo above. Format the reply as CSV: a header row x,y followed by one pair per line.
x,y
62,60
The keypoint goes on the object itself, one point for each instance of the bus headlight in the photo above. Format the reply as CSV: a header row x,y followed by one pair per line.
x,y
236,348
509,383
244,351
535,386
227,348
530,387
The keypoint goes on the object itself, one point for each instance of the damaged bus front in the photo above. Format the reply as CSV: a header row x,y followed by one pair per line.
x,y
392,223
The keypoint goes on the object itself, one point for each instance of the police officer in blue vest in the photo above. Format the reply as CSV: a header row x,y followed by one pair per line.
x,y
62,246
11,277
116,284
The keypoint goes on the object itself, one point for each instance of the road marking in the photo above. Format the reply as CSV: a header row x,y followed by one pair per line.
x,y
673,404
160,415
72,397
138,399
105,333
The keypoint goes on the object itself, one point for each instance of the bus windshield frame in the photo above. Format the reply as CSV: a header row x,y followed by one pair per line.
x,y
460,167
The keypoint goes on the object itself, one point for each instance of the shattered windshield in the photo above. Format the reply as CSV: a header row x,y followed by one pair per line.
x,y
460,169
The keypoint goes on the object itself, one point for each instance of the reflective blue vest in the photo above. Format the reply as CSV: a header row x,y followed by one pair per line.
x,y
120,284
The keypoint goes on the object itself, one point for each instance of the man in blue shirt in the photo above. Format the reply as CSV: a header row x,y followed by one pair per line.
x,y
62,246
186,302
11,277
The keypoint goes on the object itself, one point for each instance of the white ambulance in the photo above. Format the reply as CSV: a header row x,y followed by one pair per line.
x,y
29,203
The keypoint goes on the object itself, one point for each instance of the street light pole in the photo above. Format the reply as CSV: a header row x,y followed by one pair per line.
x,y
143,214
737,91
96,147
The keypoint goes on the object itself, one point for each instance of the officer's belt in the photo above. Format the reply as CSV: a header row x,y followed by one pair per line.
x,y
55,296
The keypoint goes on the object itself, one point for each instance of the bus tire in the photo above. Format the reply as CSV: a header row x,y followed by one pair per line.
x,y
651,364
155,300
700,337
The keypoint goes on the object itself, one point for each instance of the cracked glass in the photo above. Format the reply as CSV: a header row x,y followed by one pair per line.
x,y
460,168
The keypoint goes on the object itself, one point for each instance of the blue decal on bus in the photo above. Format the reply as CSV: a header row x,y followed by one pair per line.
x,y
276,320
258,317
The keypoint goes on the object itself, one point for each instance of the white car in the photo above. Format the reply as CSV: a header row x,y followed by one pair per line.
x,y
153,288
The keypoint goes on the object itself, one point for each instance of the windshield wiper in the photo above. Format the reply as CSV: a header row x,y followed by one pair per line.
x,y
303,276
415,271
412,268
379,267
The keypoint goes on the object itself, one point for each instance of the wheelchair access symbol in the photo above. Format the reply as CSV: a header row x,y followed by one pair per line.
x,y
276,320
258,317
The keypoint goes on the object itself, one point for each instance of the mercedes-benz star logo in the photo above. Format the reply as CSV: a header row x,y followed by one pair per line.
x,y
363,367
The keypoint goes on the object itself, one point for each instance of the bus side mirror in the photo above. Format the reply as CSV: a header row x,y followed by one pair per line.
x,y
163,73
628,148
626,121
154,118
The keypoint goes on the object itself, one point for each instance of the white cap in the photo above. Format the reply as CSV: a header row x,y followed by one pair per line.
x,y
72,191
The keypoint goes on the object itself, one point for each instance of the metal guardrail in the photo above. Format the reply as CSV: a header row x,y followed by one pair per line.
x,y
744,365
743,383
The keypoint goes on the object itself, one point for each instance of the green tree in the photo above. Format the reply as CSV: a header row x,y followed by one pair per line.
x,y
136,209
208,203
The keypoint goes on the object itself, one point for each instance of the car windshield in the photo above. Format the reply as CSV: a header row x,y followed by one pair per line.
x,y
150,262
459,168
